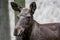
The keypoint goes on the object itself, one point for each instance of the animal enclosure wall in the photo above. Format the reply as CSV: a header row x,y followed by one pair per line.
x,y
48,11
4,20
11,19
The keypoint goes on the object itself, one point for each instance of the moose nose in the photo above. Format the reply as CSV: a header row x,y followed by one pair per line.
x,y
15,32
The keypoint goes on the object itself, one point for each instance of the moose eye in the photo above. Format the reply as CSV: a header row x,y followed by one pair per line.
x,y
28,17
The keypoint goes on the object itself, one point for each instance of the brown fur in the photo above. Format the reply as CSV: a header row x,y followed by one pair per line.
x,y
31,30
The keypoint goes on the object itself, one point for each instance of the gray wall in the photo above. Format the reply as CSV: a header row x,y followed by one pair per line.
x,y
48,11
4,20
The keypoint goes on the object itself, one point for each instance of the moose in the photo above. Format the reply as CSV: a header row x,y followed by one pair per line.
x,y
28,29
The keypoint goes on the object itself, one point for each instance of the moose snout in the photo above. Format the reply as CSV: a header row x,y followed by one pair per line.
x,y
18,31
15,32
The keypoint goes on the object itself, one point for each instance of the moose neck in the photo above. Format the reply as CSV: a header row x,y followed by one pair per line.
x,y
27,32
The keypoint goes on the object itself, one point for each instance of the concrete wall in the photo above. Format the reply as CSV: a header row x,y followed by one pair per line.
x,y
4,20
11,19
48,11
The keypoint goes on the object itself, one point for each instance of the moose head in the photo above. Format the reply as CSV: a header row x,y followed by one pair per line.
x,y
25,17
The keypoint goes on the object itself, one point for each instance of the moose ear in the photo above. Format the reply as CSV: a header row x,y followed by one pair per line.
x,y
33,7
15,7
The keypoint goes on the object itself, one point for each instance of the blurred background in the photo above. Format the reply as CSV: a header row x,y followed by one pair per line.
x,y
5,19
